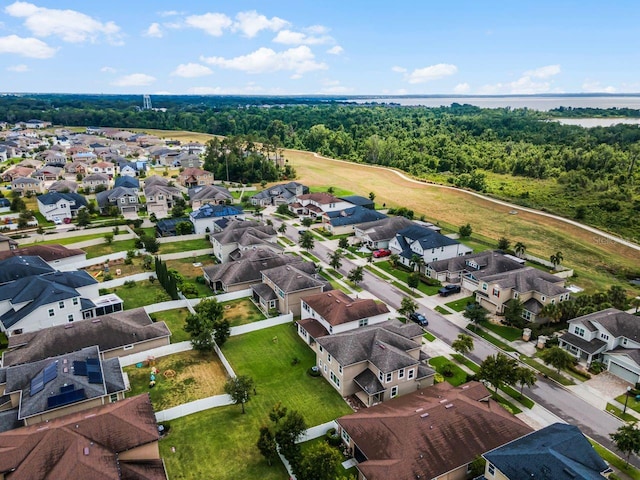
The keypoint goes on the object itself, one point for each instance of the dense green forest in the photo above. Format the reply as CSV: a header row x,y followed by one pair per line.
x,y
587,174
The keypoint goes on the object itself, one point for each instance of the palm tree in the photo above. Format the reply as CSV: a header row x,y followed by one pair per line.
x,y
552,312
282,229
520,248
416,262
394,259
556,259
335,259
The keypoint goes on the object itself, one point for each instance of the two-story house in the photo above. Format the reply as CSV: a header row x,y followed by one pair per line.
x,y
212,194
346,221
106,168
58,206
126,199
204,217
193,177
470,269
374,363
427,244
610,336
64,186
241,235
316,204
127,182
533,287
161,198
25,185
93,180
377,234
284,193
47,173
17,172
332,312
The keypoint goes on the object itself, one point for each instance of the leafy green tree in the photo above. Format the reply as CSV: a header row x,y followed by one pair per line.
x,y
151,244
239,389
267,445
207,325
283,209
307,221
618,297
503,244
83,217
184,228
113,211
407,306
356,275
465,231
320,463
335,259
108,237
282,229
343,243
513,313
372,196
306,240
557,357
413,280
520,248
331,190
394,258
556,259
525,377
498,370
476,314
627,440
177,211
278,412
551,311
463,344
290,430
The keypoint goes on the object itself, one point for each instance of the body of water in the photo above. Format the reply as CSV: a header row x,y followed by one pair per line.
x,y
532,102
597,122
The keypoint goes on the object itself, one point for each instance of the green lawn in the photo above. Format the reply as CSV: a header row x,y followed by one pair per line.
x,y
405,289
241,312
508,333
337,191
286,241
459,376
184,266
632,403
333,273
490,338
310,257
460,305
377,272
618,413
220,443
441,310
142,294
429,336
175,320
67,240
184,246
340,472
402,274
106,249
615,461
547,371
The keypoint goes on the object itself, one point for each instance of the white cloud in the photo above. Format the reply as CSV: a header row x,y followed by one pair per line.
x,y
213,24
153,31
432,72
169,13
591,86
462,88
108,70
289,37
27,47
70,25
398,69
191,70
251,23
317,29
543,72
18,68
298,60
337,50
134,80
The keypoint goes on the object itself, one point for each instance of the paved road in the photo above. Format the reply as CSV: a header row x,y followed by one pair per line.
x,y
563,403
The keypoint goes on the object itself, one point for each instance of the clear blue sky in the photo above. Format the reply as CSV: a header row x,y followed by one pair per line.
x,y
320,47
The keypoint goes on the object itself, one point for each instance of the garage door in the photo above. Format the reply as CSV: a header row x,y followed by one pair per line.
x,y
129,210
624,373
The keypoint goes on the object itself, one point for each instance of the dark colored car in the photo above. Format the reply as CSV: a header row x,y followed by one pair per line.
x,y
419,318
383,252
301,232
448,290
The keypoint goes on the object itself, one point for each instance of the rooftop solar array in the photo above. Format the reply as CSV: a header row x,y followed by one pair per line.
x,y
50,372
89,368
65,398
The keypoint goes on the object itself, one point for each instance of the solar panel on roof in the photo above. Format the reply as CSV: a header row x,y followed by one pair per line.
x,y
50,372
95,377
66,398
79,368
67,388
37,384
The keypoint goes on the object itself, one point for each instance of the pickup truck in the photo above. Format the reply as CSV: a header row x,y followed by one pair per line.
x,y
448,290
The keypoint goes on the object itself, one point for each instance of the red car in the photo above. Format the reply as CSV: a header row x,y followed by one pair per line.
x,y
383,252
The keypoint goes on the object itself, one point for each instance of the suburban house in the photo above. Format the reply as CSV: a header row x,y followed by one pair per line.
x,y
114,441
558,451
7,244
433,433
347,220
168,227
359,201
533,287
127,182
107,168
127,169
468,270
241,235
46,389
204,217
64,186
156,180
334,311
161,198
91,181
610,336
427,244
377,234
193,177
75,167
25,185
35,123
282,287
47,173
187,160
57,256
126,199
86,158
17,172
240,274
284,193
212,194
316,204
127,332
58,206
374,363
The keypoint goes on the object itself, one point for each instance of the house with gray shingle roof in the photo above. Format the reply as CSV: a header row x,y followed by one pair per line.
x,y
379,233
64,186
533,287
347,220
24,185
283,193
93,180
203,218
374,363
469,269
241,235
213,194
55,205
161,198
126,199
610,336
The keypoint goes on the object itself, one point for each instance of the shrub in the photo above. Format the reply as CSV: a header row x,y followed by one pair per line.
x,y
201,280
129,284
108,276
597,367
189,289
313,373
333,437
447,370
103,291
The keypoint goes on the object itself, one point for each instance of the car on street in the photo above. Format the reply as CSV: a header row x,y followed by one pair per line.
x,y
302,232
419,318
449,290
382,252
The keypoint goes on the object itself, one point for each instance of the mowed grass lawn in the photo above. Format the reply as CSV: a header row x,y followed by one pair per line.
x,y
184,246
220,443
402,275
175,320
460,305
181,378
241,312
142,294
67,240
184,266
459,376
107,249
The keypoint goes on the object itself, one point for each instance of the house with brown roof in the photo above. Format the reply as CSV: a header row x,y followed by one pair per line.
x,y
64,186
334,311
55,255
75,167
374,363
124,333
114,441
432,433
193,177
161,198
7,244
47,173
106,168
533,287
241,235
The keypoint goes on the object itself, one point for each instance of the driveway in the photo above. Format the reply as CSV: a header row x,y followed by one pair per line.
x,y
600,389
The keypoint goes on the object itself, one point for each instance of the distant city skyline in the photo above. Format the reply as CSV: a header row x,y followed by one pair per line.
x,y
309,48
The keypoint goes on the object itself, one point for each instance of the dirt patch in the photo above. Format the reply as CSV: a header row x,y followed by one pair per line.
x,y
240,312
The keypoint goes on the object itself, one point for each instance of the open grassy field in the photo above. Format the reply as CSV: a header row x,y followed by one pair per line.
x,y
183,377
224,436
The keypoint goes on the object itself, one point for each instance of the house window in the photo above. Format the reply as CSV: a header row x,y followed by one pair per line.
x,y
51,312
75,301
491,469
113,397
123,200
363,322
128,347
380,376
328,357
346,437
340,369
543,298
579,331
496,292
335,379
553,300
17,331
410,374
389,377
325,368
60,304
604,336
305,306
624,341
320,348
526,314
485,287
70,317
515,294
394,391
401,373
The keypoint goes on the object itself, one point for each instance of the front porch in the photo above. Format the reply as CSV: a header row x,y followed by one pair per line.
x,y
372,391
584,350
